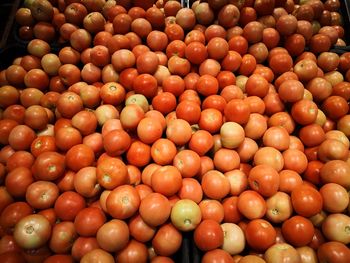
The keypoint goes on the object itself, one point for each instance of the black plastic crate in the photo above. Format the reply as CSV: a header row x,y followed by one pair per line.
x,y
7,20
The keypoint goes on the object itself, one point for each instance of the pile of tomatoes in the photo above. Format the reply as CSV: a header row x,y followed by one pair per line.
x,y
130,123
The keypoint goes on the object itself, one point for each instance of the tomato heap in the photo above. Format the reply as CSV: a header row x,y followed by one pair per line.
x,y
128,124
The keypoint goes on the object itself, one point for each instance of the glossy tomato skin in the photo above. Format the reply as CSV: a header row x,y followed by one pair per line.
x,y
68,205
333,251
208,235
306,200
88,221
217,255
260,234
123,202
49,166
298,230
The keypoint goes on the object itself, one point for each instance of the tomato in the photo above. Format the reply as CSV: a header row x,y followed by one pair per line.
x,y
260,234
201,142
68,205
335,107
149,130
88,221
62,237
208,235
139,230
21,137
167,240
116,142
212,209
237,110
279,207
297,230
113,235
166,180
226,160
251,204
12,213
295,160
231,212
306,201
264,179
49,166
333,251
255,81
123,202
163,151
42,194
154,209
215,185
269,156
133,252
79,156
216,255
282,251
332,195
18,180
43,144
85,182
333,227
32,231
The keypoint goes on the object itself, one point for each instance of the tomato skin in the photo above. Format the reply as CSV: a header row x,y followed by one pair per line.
x,y
88,221
123,202
306,200
298,231
48,166
155,209
217,255
251,204
40,234
79,156
167,240
111,173
333,251
264,179
166,180
62,245
68,205
260,234
208,235
12,213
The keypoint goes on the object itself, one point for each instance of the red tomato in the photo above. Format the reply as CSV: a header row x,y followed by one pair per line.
x,y
260,234
208,235
306,200
88,221
298,231
123,202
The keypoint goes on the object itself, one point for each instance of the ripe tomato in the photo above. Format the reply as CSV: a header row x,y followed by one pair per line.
x,y
88,221
208,235
111,173
49,166
68,205
264,179
166,180
260,234
155,209
215,185
298,231
251,204
123,202
167,240
306,200
139,230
